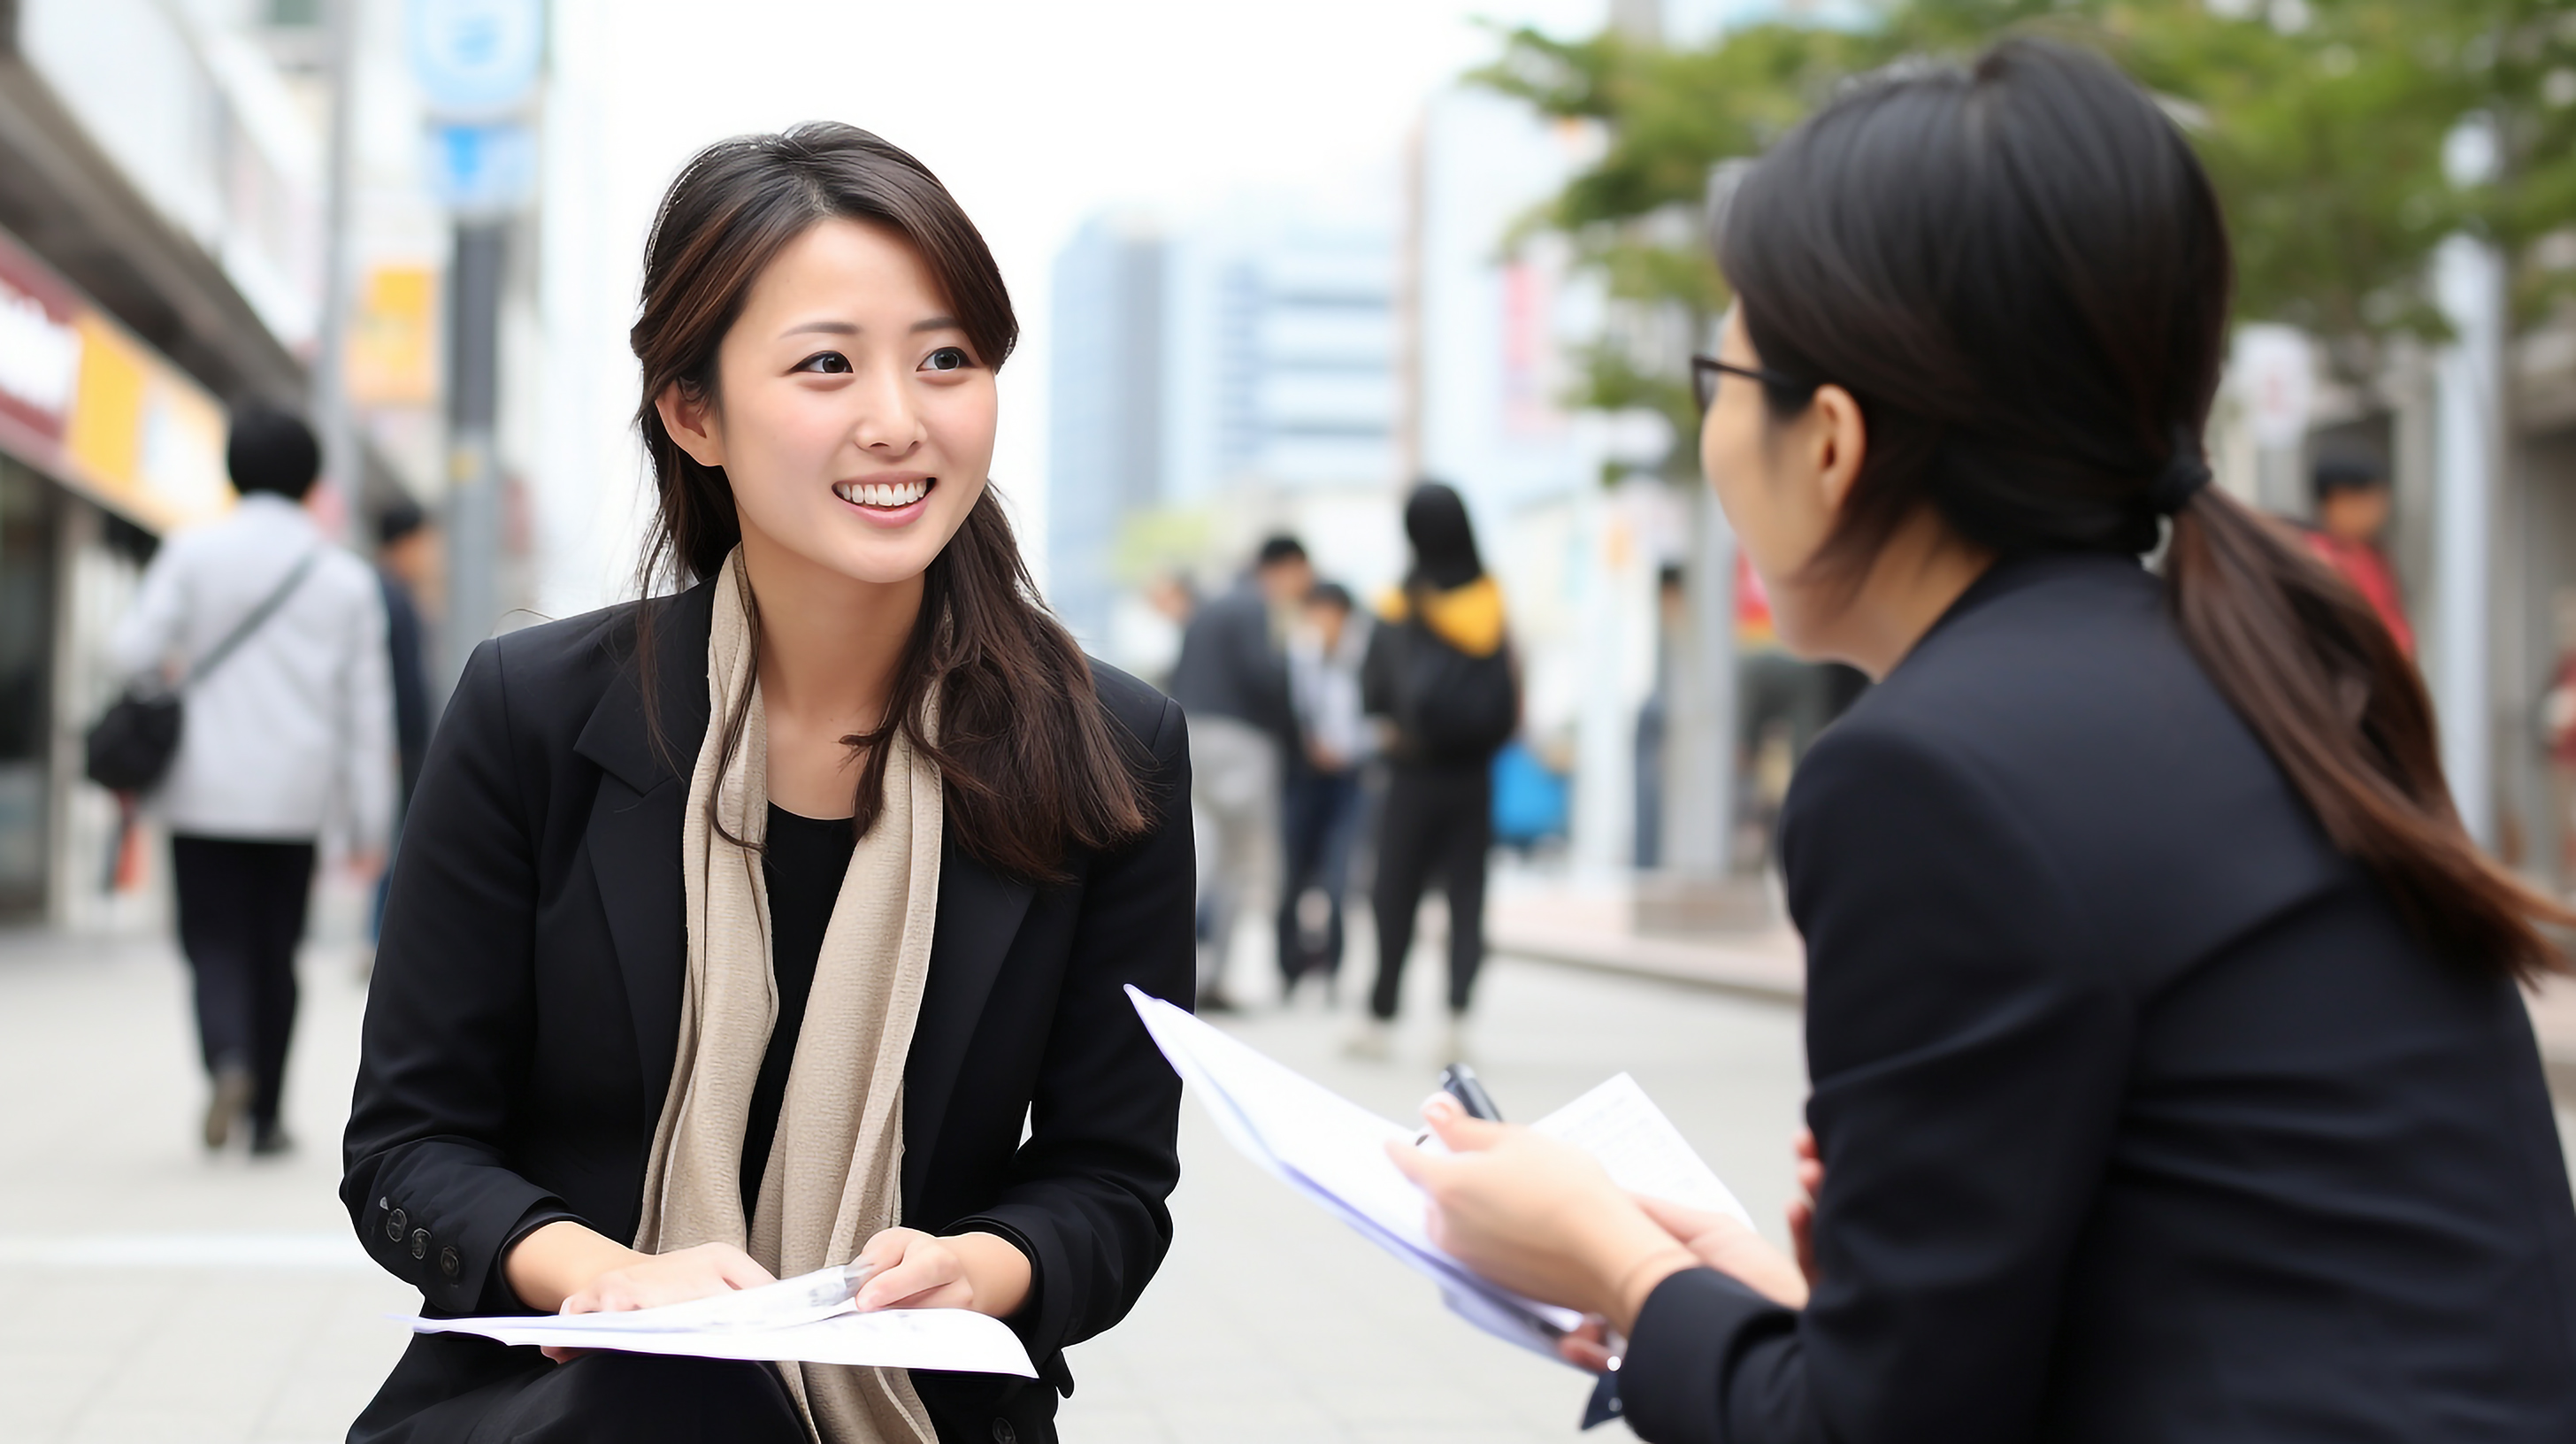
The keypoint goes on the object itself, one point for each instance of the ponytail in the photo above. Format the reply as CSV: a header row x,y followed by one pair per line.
x,y
2310,668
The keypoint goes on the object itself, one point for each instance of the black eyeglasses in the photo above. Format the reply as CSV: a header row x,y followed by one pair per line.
x,y
1706,369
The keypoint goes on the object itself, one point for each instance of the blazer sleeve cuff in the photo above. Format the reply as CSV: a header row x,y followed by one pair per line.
x,y
1047,1319
1673,1379
449,1244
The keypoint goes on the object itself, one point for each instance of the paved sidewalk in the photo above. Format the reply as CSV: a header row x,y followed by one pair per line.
x,y
150,1294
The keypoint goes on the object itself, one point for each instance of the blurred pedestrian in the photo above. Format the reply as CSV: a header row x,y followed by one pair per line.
x,y
2353,505
1320,813
2171,1076
1232,680
1654,716
1439,670
288,740
407,572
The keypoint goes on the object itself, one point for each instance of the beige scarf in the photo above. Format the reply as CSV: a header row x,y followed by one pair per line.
x,y
835,1167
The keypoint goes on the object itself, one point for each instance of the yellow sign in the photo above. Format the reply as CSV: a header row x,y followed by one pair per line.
x,y
83,400
148,440
393,338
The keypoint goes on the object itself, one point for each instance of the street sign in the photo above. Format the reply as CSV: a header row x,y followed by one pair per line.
x,y
483,170
476,59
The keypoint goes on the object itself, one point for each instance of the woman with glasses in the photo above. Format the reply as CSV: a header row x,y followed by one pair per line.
x,y
2171,1078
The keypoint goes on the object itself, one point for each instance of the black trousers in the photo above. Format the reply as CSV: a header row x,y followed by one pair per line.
x,y
628,1398
485,1394
1438,825
241,913
1319,815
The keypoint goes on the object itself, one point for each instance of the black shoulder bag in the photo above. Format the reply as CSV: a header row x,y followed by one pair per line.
x,y
131,746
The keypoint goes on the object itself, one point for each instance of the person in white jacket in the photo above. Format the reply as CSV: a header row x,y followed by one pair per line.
x,y
287,741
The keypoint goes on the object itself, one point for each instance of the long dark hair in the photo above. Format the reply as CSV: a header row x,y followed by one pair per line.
x,y
1030,763
2020,272
1443,540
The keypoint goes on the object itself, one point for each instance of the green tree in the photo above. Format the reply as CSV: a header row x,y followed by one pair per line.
x,y
2322,122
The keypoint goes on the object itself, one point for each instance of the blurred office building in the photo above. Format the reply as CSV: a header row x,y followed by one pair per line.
x,y
1213,381
1106,448
164,252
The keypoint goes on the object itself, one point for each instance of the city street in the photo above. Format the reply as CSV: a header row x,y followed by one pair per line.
x,y
151,1294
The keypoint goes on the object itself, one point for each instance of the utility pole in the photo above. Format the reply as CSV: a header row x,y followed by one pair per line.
x,y
2468,439
343,461
478,63
473,457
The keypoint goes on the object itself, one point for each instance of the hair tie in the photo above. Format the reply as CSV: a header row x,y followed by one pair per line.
x,y
2185,473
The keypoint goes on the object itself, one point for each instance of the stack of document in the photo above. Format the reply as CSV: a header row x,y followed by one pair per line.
x,y
1334,1152
775,1324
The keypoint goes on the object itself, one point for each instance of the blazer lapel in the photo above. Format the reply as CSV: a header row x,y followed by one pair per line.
x,y
633,833
979,915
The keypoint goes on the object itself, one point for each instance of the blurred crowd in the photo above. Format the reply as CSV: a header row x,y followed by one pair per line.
x,y
1335,745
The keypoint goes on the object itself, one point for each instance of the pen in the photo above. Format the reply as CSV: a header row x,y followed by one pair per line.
x,y
1460,1082
797,1300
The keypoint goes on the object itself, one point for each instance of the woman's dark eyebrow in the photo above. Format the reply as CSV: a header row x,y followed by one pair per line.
x,y
852,328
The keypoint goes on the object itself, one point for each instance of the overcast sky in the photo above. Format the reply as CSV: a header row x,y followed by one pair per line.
x,y
1036,113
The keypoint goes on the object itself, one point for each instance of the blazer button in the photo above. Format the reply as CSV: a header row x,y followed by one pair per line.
x,y
420,1243
395,1223
1003,1433
449,1264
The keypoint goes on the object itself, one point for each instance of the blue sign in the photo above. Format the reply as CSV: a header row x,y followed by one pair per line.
x,y
476,59
483,170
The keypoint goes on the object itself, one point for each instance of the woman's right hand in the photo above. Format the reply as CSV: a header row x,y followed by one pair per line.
x,y
678,1277
570,1268
1722,1243
652,1280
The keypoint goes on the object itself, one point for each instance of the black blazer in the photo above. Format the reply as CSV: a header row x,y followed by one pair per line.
x,y
524,1014
2143,1117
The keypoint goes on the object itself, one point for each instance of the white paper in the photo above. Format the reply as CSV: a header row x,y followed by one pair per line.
x,y
1644,1153
954,1339
1334,1152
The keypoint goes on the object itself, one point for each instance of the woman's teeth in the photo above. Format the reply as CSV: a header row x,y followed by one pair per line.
x,y
885,494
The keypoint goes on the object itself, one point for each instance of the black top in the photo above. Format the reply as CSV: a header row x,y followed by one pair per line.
x,y
524,1017
2143,1116
804,862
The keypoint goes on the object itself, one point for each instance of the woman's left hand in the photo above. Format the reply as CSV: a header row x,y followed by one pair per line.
x,y
914,1270
1538,1216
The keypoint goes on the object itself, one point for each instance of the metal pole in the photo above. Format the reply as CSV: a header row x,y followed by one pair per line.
x,y
343,464
2468,280
1699,743
473,466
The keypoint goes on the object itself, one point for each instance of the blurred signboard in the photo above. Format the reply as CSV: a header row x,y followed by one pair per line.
x,y
476,59
483,170
477,62
393,337
2274,373
85,402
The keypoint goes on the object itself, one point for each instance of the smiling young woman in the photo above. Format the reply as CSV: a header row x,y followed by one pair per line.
x,y
738,932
